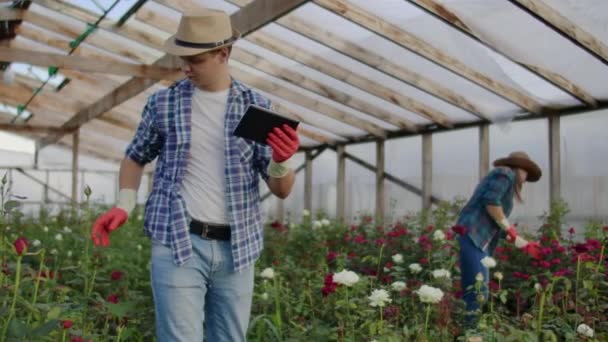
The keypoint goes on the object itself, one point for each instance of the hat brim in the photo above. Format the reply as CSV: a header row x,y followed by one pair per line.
x,y
534,171
177,50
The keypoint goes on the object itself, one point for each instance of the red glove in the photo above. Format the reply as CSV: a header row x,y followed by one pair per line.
x,y
532,249
107,223
511,234
284,143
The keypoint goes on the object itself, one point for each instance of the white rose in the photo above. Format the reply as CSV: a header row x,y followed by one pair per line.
x,y
488,262
8,228
58,237
479,277
585,330
439,235
538,287
441,273
398,258
415,268
264,296
398,286
292,225
305,212
36,243
348,278
45,229
69,254
429,294
498,276
316,224
379,298
53,251
67,229
139,247
267,273
325,222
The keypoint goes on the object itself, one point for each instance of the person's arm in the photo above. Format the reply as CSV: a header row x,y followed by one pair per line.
x,y
281,187
129,179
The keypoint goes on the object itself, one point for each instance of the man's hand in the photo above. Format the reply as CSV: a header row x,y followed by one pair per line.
x,y
284,142
107,223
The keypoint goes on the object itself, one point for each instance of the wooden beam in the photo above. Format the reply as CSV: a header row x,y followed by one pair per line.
x,y
84,64
72,29
323,65
308,181
427,170
341,184
484,150
565,27
243,20
45,184
31,128
369,58
8,14
300,99
288,112
388,176
75,151
443,13
380,181
554,158
298,79
411,42
129,30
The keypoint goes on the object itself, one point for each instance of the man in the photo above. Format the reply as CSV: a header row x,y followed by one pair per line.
x,y
203,213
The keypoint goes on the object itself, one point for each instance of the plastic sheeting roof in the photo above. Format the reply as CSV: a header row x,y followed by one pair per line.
x,y
361,60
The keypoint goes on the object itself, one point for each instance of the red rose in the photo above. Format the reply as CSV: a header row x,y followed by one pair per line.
x,y
116,275
113,298
67,324
20,245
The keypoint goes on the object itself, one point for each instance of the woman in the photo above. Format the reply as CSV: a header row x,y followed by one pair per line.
x,y
484,219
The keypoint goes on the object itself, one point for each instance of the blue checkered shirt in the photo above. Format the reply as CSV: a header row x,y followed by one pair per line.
x,y
497,188
165,132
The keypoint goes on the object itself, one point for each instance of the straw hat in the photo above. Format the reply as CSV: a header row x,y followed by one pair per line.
x,y
200,32
521,160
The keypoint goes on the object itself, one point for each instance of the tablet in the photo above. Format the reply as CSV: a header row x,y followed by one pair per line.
x,y
258,122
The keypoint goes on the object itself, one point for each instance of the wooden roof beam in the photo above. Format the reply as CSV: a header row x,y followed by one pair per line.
x,y
83,64
411,42
565,27
8,127
443,13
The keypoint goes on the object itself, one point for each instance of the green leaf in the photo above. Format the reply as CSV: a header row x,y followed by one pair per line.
x,y
45,328
588,284
54,313
121,309
10,205
503,296
17,328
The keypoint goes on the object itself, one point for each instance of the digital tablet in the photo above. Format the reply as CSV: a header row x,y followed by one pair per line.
x,y
258,122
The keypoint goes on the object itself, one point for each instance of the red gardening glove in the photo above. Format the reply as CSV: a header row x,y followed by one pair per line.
x,y
532,249
107,223
284,143
511,234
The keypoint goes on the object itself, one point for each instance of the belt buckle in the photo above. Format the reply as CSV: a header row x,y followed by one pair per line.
x,y
205,231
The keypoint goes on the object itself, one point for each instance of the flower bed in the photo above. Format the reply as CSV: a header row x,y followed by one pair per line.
x,y
317,280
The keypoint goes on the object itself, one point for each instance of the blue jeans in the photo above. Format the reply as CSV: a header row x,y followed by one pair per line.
x,y
203,289
470,266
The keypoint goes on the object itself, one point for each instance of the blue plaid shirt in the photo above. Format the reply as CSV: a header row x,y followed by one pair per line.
x,y
165,132
497,188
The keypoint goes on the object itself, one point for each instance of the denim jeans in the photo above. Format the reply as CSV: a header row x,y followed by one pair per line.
x,y
205,289
470,266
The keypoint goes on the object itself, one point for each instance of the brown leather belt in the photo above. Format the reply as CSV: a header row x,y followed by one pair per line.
x,y
210,231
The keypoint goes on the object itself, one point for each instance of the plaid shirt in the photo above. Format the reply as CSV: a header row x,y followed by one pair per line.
x,y
497,188
165,132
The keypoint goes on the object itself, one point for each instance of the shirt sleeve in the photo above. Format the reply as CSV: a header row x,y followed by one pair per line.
x,y
262,152
496,187
147,142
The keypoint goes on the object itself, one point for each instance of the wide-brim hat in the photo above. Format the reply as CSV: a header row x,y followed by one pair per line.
x,y
202,31
521,160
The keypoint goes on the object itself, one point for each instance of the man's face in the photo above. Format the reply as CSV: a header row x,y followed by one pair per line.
x,y
205,68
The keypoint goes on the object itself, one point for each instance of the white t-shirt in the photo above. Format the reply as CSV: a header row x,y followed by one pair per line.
x,y
204,184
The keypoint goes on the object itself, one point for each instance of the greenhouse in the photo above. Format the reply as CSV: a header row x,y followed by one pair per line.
x,y
360,226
